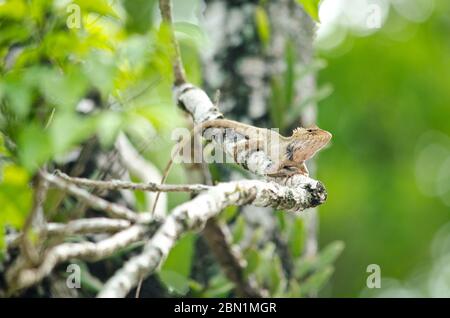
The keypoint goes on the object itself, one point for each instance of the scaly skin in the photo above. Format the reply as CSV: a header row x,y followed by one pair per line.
x,y
288,154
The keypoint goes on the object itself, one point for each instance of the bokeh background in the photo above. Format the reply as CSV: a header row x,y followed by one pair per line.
x,y
388,170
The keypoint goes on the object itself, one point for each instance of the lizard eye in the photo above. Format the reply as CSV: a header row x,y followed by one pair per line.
x,y
309,130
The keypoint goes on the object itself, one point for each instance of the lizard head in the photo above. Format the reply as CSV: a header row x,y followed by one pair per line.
x,y
307,141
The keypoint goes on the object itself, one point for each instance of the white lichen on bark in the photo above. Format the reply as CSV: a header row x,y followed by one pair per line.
x,y
193,215
19,278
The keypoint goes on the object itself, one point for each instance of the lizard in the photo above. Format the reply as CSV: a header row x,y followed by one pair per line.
x,y
288,154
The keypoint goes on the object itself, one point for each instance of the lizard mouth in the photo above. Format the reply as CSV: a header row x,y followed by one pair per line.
x,y
327,135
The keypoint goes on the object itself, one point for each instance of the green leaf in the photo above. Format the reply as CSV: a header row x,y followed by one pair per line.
x,y
310,68
63,90
13,9
175,282
108,128
253,261
19,96
191,62
229,213
330,253
34,146
219,287
101,7
3,150
68,129
139,15
38,9
303,267
180,257
294,289
276,277
135,51
315,282
239,229
101,71
58,46
15,197
326,258
13,33
281,217
296,237
159,114
311,7
177,268
262,25
270,271
192,32
195,287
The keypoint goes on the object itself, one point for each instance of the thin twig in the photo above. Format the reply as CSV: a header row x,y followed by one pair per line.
x,y
112,209
36,215
144,170
165,6
79,227
19,278
88,226
126,185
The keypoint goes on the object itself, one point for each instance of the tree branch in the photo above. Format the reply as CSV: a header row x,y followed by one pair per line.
x,y
81,226
36,215
194,214
165,6
126,185
88,226
112,209
230,259
19,278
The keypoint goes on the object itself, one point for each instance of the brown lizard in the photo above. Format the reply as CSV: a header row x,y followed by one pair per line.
x,y
288,154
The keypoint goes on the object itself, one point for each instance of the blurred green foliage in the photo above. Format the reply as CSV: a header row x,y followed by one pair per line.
x,y
311,7
54,54
390,89
387,94
262,24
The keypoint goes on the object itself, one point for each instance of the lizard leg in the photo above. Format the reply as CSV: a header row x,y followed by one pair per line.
x,y
303,169
284,168
288,168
